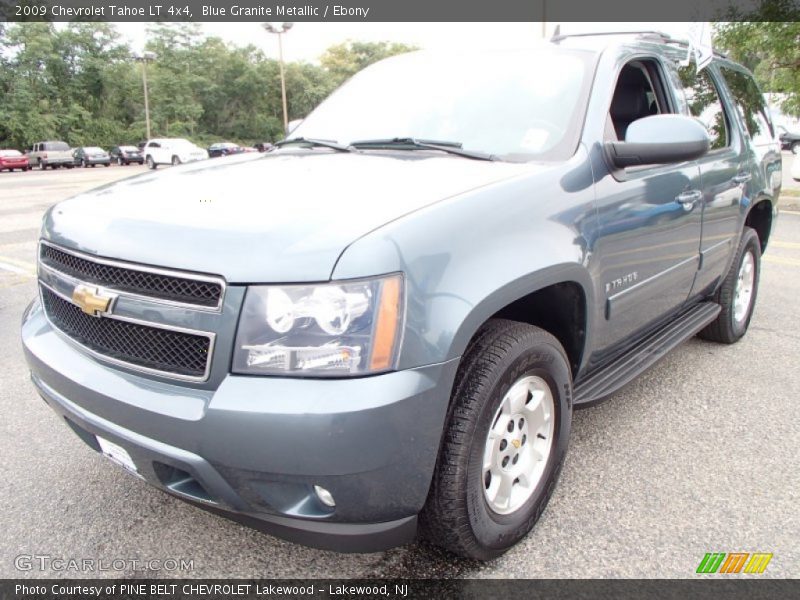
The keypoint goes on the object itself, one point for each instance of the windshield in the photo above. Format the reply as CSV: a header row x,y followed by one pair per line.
x,y
9,153
517,105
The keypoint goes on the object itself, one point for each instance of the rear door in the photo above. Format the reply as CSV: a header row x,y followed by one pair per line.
x,y
722,171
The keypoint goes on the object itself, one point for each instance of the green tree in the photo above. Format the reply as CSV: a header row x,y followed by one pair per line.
x,y
769,45
342,61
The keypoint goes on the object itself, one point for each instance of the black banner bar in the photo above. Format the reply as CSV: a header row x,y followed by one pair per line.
x,y
400,11
729,588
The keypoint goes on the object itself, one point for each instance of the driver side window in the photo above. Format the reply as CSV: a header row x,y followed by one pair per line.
x,y
638,94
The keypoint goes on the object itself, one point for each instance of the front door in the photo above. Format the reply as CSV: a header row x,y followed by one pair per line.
x,y
649,221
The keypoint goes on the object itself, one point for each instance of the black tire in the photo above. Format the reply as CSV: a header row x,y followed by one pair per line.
x,y
795,148
151,164
725,328
119,161
457,515
41,165
176,161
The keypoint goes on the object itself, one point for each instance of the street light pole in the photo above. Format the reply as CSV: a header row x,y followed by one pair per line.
x,y
146,56
279,31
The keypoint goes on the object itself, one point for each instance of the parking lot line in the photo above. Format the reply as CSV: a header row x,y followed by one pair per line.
x,y
781,260
17,266
779,244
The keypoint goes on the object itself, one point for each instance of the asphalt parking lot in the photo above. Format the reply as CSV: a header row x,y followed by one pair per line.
x,y
698,455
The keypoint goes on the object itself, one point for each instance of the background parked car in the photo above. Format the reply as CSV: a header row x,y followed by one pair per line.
x,y
51,154
125,155
789,140
263,146
171,151
13,159
224,149
91,156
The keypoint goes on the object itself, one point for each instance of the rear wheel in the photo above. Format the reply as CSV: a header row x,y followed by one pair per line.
x,y
176,161
119,161
41,165
737,294
796,148
504,442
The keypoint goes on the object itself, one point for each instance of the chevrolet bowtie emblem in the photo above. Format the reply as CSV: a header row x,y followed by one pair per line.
x,y
91,300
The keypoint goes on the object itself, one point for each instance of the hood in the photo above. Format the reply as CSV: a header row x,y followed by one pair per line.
x,y
281,217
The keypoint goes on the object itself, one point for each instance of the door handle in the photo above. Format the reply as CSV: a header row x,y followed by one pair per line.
x,y
742,178
688,199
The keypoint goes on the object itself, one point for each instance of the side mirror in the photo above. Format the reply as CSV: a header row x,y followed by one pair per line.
x,y
660,139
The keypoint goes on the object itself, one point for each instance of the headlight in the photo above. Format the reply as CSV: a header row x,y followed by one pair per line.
x,y
332,329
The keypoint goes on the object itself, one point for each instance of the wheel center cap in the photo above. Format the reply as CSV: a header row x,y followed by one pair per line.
x,y
516,443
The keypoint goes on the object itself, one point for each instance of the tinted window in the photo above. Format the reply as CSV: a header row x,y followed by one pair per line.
x,y
704,104
750,105
56,146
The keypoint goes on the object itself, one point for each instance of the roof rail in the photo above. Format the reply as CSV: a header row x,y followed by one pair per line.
x,y
660,35
653,35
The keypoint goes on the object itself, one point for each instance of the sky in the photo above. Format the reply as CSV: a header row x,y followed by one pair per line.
x,y
307,41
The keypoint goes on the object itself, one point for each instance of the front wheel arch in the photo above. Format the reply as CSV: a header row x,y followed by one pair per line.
x,y
565,280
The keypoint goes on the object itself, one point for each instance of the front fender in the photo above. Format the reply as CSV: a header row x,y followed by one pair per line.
x,y
467,257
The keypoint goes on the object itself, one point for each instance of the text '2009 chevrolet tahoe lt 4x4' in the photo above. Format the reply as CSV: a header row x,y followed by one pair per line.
x,y
445,258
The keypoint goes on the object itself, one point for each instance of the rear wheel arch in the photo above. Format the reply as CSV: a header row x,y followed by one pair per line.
x,y
759,218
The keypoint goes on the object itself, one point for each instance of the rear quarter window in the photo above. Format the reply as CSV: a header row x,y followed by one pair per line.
x,y
750,105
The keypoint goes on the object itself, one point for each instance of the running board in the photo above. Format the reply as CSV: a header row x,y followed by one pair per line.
x,y
645,354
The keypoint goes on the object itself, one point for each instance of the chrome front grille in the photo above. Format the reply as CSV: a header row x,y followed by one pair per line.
x,y
143,327
134,279
151,348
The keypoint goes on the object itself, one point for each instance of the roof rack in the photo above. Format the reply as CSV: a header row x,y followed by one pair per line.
x,y
659,35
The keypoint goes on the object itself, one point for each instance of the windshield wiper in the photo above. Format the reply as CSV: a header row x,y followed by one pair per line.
x,y
314,142
417,144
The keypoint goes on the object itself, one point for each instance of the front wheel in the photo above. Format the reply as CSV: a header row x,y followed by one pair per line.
x,y
119,161
151,164
737,294
504,442
796,148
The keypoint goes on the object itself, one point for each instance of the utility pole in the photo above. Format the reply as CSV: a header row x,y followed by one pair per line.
x,y
144,58
279,30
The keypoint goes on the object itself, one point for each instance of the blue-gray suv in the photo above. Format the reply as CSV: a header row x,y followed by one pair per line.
x,y
381,327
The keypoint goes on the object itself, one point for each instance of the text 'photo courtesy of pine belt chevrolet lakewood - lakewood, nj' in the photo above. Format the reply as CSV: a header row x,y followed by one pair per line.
x,y
391,343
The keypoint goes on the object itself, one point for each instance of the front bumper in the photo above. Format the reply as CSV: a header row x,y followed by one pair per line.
x,y
255,447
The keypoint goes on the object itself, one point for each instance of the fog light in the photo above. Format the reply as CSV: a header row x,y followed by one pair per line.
x,y
324,496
